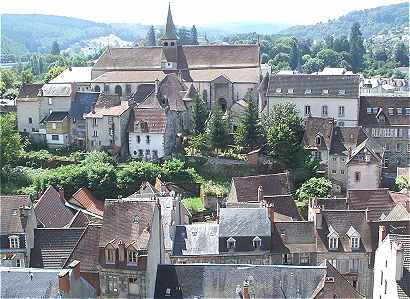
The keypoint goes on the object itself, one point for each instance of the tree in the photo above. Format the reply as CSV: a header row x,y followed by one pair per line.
x,y
294,55
356,48
329,57
27,76
313,65
401,54
248,132
55,48
9,78
194,36
401,183
53,72
217,131
314,187
10,141
184,36
150,40
199,114
283,130
329,41
341,44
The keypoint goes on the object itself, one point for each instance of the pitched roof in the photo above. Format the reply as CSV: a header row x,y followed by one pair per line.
x,y
74,74
82,104
380,103
100,112
79,220
273,184
317,126
378,201
115,229
226,281
284,205
150,120
57,90
170,89
244,222
143,90
279,85
16,283
10,221
170,31
294,236
398,213
234,75
86,200
52,246
86,250
29,91
196,239
51,210
55,117
346,138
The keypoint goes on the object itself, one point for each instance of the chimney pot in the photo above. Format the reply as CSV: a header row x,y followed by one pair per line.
x,y
75,266
271,212
382,233
246,290
260,193
61,192
64,281
318,219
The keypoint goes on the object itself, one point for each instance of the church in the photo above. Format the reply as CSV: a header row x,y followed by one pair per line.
x,y
222,74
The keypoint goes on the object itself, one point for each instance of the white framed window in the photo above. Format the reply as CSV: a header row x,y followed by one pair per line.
x,y
391,111
342,92
50,101
148,139
355,242
257,242
334,171
304,258
54,126
341,110
132,257
325,91
308,91
307,110
399,111
109,256
342,171
408,147
290,90
138,139
111,284
333,243
287,259
324,110
94,122
357,176
55,137
95,133
230,243
18,263
407,111
278,90
30,120
14,242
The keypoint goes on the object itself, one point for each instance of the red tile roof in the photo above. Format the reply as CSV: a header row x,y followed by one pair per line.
x,y
10,214
86,200
149,120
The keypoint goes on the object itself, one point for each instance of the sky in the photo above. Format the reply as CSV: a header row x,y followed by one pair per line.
x,y
198,12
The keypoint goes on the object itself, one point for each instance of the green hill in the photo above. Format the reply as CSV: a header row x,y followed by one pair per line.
x,y
374,21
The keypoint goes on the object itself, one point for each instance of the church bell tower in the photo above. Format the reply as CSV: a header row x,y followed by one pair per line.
x,y
169,44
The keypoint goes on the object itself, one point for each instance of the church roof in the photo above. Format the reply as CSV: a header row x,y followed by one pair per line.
x,y
170,31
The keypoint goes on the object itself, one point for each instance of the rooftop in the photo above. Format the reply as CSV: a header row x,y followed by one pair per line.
x,y
74,75
11,222
244,222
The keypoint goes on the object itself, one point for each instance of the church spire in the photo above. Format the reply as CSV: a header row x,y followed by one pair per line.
x,y
170,31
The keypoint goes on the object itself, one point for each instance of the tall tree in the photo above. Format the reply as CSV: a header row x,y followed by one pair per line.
x,y
341,44
55,48
248,132
10,141
27,76
194,36
184,36
356,48
217,131
282,128
401,54
199,114
294,54
150,39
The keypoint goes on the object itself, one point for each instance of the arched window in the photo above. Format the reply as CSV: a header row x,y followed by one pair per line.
x,y
318,140
97,88
118,90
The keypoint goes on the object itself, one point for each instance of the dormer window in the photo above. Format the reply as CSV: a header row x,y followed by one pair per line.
x,y
231,243
290,90
391,111
342,92
354,238
257,242
333,238
14,242
109,255
325,91
132,257
355,243
308,91
278,90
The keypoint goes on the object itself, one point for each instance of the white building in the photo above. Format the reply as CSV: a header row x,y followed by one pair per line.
x,y
391,267
333,96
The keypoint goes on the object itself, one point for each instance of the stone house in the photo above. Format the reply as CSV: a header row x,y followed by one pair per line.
x,y
386,120
222,74
18,221
28,110
129,251
328,96
391,267
106,125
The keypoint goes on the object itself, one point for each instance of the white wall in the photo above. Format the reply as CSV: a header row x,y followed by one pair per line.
x,y
62,139
369,176
26,109
156,143
351,107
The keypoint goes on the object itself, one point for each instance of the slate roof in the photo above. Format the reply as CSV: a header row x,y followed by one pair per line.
x,y
294,236
55,117
79,220
143,90
74,74
196,239
341,221
345,138
226,281
244,222
57,90
82,104
284,205
316,83
317,126
52,246
384,103
398,213
124,76
403,286
172,91
107,100
127,220
10,215
86,200
86,250
16,283
29,91
378,201
51,210
273,184
170,31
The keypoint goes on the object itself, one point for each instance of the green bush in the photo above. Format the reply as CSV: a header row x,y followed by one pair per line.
x,y
194,204
211,187
401,183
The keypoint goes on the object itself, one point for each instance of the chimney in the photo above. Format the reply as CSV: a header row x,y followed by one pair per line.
x,y
75,266
61,192
246,290
64,281
382,233
271,212
260,193
156,86
318,220
399,262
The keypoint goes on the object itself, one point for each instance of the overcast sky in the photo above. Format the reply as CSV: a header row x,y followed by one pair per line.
x,y
199,12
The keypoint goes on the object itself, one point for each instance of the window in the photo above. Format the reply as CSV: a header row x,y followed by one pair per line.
x,y
334,171
30,120
106,88
172,44
109,256
118,90
407,111
333,261
278,90
341,123
369,110
317,140
341,111
386,162
50,101
18,263
54,126
325,91
257,242
127,89
342,171
287,259
290,90
304,258
399,111
355,242
138,139
140,153
357,176
398,147
110,120
94,122
230,243
55,137
391,111
147,138
342,92
166,44
333,243
307,110
132,257
387,147
14,242
112,284
95,133
308,91
155,154
354,284
324,110
97,88
110,131
385,287
147,153
408,147
381,278
318,156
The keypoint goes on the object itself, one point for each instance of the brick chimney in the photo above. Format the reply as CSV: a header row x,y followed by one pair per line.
x,y
61,192
318,219
246,290
260,193
75,266
382,233
64,281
